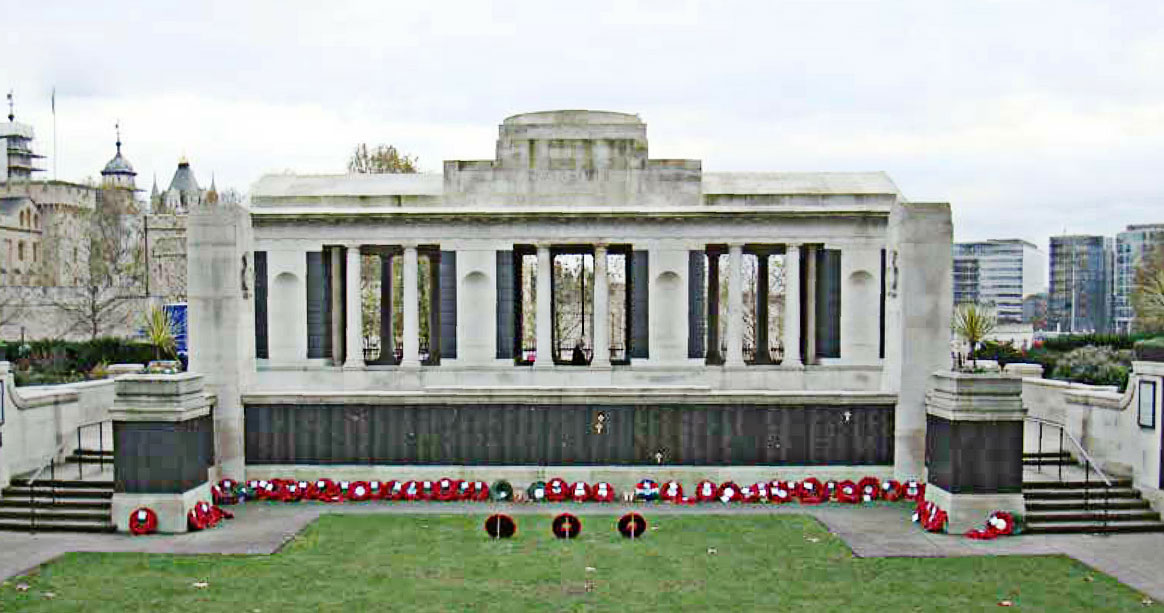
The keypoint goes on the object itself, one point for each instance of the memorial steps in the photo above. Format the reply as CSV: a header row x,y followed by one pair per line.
x,y
1075,504
63,505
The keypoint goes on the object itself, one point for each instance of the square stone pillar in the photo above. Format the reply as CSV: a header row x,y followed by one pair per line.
x,y
919,299
545,310
791,338
735,322
163,436
411,356
220,282
974,447
354,357
601,357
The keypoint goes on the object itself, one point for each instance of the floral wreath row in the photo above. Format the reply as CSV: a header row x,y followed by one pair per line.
x,y
807,491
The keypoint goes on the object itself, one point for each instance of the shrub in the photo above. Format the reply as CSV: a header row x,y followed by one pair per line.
x,y
1002,352
1095,366
1151,349
1075,341
65,358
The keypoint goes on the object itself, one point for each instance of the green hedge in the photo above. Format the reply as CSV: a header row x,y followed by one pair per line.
x,y
62,357
1075,341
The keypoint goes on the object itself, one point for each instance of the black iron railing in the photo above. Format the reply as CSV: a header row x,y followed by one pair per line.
x,y
51,467
1059,435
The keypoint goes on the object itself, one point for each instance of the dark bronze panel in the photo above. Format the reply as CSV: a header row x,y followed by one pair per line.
x,y
162,457
566,434
981,457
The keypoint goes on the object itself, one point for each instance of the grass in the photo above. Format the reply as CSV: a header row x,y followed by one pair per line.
x,y
447,563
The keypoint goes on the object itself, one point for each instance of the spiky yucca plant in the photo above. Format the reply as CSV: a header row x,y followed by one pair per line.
x,y
159,331
973,322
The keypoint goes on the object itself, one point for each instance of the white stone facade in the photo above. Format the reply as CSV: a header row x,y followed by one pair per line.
x,y
579,180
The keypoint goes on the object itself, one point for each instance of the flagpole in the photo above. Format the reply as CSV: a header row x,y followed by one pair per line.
x,y
55,156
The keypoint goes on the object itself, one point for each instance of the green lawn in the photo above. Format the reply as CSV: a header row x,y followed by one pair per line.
x,y
431,563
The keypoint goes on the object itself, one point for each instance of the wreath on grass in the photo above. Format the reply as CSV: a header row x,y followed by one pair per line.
x,y
705,491
1000,523
580,492
892,491
647,490
847,492
143,521
780,492
728,492
500,526
810,491
672,491
536,492
501,491
930,516
556,490
566,526
632,525
446,489
869,489
602,492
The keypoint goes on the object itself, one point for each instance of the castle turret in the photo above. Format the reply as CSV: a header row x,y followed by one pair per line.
x,y
118,172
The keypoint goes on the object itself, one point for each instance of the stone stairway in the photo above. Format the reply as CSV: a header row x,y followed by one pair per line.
x,y
1078,505
61,505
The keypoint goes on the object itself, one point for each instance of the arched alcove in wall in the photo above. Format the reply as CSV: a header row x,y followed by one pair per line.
x,y
862,331
284,319
669,316
475,318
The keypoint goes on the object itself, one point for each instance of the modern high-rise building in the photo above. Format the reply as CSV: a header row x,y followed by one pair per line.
x,y
1131,246
1081,284
999,272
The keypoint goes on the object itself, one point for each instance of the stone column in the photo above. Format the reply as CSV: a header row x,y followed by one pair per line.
x,y
735,323
337,305
164,446
791,338
411,356
974,431
355,311
601,356
545,306
810,304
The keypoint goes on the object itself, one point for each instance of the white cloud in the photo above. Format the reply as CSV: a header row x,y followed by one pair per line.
x,y
1027,116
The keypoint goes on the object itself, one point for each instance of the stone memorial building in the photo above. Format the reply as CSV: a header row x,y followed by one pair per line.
x,y
570,307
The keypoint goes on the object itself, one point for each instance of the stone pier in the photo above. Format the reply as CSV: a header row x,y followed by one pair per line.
x,y
974,447
164,447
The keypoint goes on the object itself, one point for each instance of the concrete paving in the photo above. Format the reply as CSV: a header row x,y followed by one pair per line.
x,y
880,530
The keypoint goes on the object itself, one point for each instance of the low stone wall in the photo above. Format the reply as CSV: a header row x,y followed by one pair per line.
x,y
38,421
1105,422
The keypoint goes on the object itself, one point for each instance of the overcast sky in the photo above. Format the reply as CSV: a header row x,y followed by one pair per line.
x,y
1031,118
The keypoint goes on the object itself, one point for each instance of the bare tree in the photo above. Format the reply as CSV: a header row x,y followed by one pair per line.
x,y
1148,291
384,159
111,274
10,308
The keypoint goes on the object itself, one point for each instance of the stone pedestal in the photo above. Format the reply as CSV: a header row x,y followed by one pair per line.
x,y
974,446
164,447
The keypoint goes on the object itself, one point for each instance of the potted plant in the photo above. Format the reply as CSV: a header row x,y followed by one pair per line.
x,y
973,323
159,332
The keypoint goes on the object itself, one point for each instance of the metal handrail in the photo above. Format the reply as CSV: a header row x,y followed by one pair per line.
x,y
1087,457
51,466
1089,464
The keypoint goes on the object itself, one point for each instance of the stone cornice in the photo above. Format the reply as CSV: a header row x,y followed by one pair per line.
x,y
568,396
